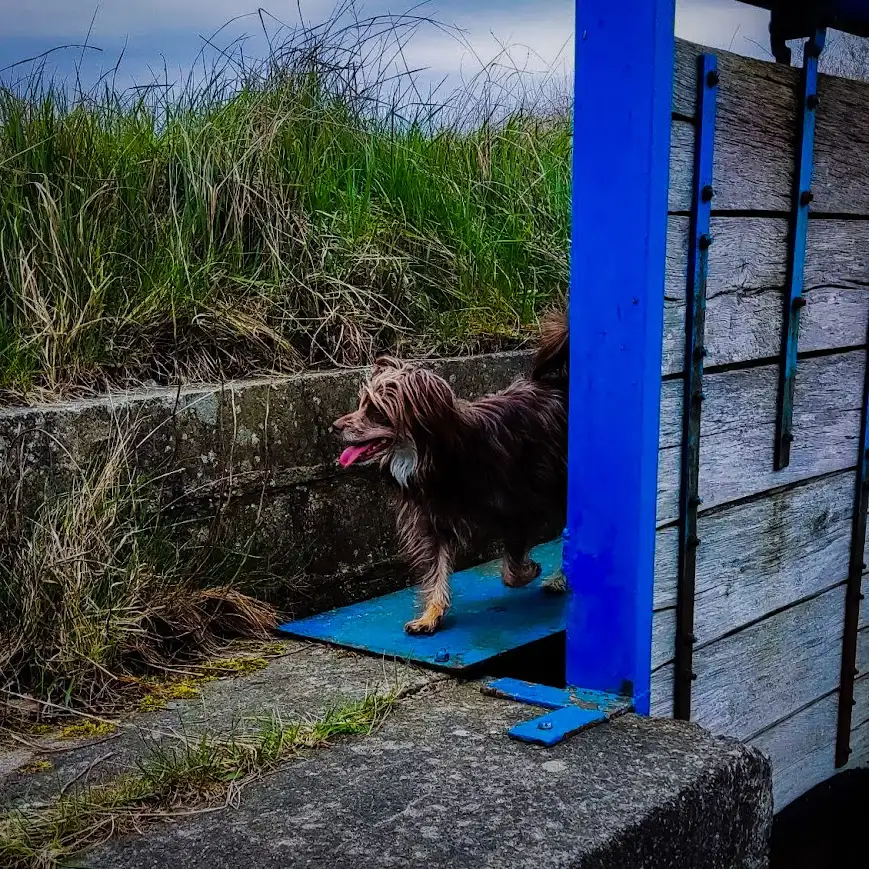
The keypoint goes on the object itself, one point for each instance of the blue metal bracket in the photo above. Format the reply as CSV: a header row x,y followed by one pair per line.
x,y
794,301
853,596
699,241
572,709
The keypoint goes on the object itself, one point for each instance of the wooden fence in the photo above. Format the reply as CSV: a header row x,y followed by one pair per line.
x,y
774,554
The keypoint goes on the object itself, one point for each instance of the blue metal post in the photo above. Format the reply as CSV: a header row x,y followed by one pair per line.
x,y
622,112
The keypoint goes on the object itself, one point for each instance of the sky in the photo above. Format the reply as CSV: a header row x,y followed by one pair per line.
x,y
164,37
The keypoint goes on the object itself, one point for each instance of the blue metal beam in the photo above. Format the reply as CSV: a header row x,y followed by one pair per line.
x,y
622,116
794,300
699,241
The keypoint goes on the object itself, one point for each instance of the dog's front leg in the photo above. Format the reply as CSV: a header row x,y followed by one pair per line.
x,y
433,559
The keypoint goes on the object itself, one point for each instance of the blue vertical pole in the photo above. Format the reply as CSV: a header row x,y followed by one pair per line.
x,y
621,142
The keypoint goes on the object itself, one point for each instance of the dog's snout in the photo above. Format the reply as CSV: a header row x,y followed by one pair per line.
x,y
340,424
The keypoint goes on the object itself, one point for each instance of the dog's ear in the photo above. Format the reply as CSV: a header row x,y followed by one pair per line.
x,y
430,403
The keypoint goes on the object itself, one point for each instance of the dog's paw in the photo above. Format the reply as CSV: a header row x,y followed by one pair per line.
x,y
555,584
520,578
427,623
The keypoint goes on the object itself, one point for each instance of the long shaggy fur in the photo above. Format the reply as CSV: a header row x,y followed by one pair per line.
x,y
495,464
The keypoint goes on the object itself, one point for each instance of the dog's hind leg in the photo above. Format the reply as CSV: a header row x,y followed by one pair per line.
x,y
517,568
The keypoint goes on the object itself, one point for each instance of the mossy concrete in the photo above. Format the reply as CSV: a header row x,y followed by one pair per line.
x,y
247,467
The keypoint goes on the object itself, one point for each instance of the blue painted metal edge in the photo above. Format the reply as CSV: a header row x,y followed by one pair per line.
x,y
794,301
853,595
699,242
621,147
572,709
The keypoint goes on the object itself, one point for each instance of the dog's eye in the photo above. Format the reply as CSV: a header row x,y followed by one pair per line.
x,y
377,416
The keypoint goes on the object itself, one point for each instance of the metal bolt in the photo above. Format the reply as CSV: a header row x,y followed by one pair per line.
x,y
695,500
693,540
855,672
699,396
788,437
693,677
853,702
544,725
812,101
806,197
707,192
861,597
442,656
690,639
700,353
799,302
704,241
712,78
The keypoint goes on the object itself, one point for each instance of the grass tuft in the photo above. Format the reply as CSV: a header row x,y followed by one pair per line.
x,y
310,209
94,594
202,772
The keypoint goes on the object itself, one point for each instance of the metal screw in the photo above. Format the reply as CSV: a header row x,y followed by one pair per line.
x,y
442,656
812,101
712,78
544,725
806,197
704,241
707,192
799,302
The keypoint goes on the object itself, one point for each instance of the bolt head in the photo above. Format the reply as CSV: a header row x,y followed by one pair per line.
x,y
544,725
705,241
442,656
806,197
712,78
812,101
707,192
799,302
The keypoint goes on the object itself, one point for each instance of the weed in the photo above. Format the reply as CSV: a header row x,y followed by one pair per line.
x,y
199,772
92,593
36,766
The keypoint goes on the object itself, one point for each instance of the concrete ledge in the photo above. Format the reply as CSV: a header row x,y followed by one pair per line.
x,y
248,467
441,785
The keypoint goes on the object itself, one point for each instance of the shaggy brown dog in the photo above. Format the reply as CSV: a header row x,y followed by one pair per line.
x,y
495,464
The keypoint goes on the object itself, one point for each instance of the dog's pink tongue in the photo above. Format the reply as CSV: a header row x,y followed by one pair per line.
x,y
350,455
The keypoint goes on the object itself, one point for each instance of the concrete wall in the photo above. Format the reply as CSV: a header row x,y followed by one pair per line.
x,y
246,467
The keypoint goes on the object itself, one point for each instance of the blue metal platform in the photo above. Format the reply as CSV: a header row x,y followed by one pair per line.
x,y
486,618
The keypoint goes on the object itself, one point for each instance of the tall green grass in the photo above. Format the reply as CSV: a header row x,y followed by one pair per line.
x,y
309,209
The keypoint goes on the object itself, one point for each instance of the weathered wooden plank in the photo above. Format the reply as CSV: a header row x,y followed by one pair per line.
x,y
863,621
863,653
737,429
756,558
755,135
766,672
801,750
744,289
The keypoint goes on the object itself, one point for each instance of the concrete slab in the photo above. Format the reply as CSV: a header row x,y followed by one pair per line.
x,y
441,785
304,682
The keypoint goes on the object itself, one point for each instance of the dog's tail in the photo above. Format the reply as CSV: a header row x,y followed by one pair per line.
x,y
551,359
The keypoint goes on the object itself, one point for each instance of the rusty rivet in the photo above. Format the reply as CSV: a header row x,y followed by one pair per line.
x,y
806,197
712,78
